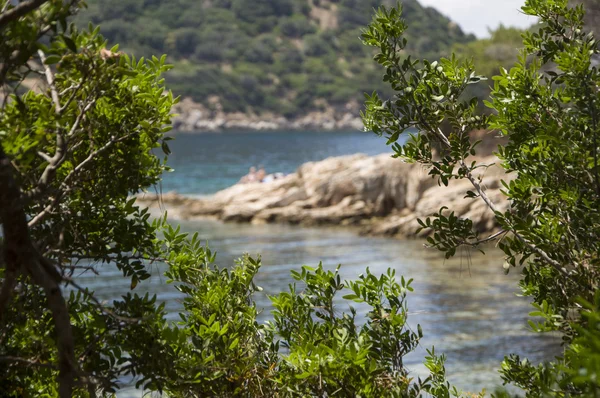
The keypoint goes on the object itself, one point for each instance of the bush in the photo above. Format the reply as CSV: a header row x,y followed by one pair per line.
x,y
259,52
546,108
183,42
289,61
296,26
315,46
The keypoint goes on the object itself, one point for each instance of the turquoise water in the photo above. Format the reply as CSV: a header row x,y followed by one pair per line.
x,y
467,307
208,162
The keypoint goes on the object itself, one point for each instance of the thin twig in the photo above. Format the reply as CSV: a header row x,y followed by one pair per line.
x,y
100,306
50,79
26,361
79,117
64,188
489,238
73,94
59,156
81,267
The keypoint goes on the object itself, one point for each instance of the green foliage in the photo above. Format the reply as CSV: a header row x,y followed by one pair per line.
x,y
547,108
225,35
219,346
80,146
327,353
490,55
574,375
297,26
72,154
308,349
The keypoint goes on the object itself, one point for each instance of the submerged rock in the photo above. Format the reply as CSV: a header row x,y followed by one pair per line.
x,y
382,195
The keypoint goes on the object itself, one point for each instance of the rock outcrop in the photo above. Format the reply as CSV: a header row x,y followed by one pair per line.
x,y
381,195
194,117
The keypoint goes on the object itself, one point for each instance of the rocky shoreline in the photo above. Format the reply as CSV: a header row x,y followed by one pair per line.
x,y
193,117
380,195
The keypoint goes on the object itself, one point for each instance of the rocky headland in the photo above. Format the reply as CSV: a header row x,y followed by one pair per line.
x,y
380,195
190,116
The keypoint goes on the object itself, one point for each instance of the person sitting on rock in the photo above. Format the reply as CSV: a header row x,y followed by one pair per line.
x,y
261,174
250,177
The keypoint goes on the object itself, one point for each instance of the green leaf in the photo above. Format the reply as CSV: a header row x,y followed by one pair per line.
x,y
52,59
70,44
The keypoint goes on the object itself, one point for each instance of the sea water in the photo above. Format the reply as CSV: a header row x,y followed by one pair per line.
x,y
208,162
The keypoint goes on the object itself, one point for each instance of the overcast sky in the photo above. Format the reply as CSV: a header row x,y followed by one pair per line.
x,y
476,16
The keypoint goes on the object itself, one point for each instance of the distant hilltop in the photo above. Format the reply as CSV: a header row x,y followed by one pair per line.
x,y
285,64
266,57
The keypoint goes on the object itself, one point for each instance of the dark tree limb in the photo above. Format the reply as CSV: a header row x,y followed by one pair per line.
x,y
21,255
7,289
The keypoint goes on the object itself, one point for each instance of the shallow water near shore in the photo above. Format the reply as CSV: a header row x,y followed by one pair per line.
x,y
468,308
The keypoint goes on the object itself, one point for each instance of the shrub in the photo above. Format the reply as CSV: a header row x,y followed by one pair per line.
x,y
547,108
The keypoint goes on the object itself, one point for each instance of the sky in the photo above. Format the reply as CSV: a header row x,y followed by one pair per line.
x,y
476,16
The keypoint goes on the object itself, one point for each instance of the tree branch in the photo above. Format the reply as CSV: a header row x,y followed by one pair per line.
x,y
16,55
59,156
50,79
542,254
100,306
489,238
19,11
28,362
73,94
64,187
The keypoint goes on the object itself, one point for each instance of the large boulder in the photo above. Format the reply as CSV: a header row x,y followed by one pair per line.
x,y
381,194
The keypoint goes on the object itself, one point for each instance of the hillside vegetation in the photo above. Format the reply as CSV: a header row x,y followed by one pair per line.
x,y
255,56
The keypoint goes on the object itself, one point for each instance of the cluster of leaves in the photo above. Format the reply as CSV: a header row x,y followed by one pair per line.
x,y
490,55
501,49
309,348
264,55
546,107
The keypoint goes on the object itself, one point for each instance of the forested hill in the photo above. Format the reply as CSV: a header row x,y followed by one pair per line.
x,y
279,56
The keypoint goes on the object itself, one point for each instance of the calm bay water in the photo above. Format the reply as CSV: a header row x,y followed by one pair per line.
x,y
206,163
466,306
